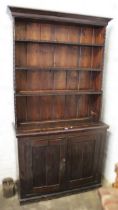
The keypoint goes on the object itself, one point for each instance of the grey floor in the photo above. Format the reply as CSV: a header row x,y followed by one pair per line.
x,y
81,201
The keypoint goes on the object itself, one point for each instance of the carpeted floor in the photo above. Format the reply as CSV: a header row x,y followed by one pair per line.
x,y
82,201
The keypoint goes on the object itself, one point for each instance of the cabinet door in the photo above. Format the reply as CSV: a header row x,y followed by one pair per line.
x,y
42,165
84,161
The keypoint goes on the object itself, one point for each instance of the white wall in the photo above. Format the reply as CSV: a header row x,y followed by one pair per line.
x,y
110,102
8,143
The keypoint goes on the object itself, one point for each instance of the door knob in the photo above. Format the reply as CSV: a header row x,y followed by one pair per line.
x,y
63,160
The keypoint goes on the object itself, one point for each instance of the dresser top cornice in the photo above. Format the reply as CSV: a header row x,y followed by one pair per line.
x,y
43,15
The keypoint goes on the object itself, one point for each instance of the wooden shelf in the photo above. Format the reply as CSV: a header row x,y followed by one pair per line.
x,y
54,69
73,120
57,92
57,127
57,42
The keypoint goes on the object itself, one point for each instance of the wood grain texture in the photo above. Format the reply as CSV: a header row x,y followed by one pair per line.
x,y
65,56
58,79
72,80
21,55
86,35
35,15
33,31
99,35
81,156
58,107
97,61
85,57
35,55
71,107
83,106
84,81
39,55
49,154
63,164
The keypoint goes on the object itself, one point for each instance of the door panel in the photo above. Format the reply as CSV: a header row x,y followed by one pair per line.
x,y
55,163
83,159
38,165
43,164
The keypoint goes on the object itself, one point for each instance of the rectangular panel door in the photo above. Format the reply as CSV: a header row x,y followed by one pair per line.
x,y
42,165
84,161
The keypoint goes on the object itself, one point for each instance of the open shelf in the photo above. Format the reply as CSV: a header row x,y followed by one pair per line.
x,y
58,56
25,30
28,68
57,42
58,71
57,92
55,81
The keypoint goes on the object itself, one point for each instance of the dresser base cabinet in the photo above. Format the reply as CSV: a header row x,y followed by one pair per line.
x,y
53,165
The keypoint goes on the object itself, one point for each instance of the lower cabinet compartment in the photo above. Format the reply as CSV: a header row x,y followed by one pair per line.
x,y
42,164
54,164
83,159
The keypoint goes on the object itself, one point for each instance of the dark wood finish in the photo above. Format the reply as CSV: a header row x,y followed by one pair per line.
x,y
54,69
89,44
58,90
64,126
84,152
58,16
50,155
67,162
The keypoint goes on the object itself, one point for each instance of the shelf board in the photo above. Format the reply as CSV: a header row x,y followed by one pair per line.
x,y
57,92
64,124
55,69
29,128
57,42
43,122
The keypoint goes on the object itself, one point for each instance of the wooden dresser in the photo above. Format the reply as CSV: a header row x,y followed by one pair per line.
x,y
58,67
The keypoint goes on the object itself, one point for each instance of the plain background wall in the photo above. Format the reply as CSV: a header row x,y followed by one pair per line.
x,y
8,143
